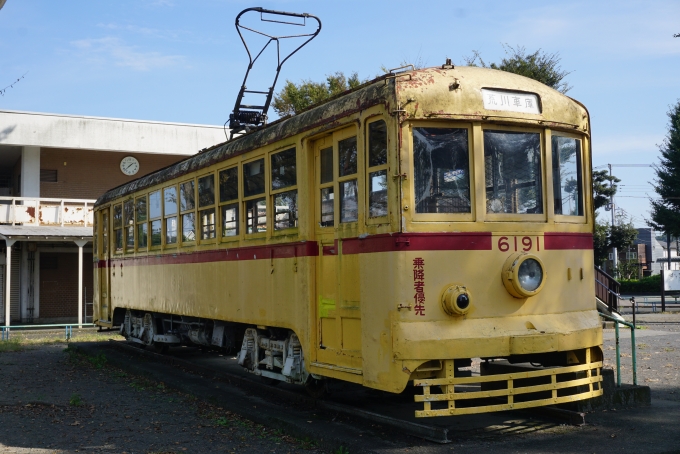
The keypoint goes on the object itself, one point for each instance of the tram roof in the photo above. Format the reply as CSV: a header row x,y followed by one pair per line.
x,y
431,88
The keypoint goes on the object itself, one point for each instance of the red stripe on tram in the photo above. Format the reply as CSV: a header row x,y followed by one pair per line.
x,y
563,241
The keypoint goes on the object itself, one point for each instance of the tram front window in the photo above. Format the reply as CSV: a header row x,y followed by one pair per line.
x,y
442,170
512,164
567,179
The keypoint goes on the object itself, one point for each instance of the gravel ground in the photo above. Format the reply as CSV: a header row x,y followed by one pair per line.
x,y
54,400
658,354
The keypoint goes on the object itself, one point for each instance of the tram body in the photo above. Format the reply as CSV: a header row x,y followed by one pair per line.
x,y
385,237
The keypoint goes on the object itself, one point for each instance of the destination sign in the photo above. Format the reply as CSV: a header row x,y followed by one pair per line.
x,y
511,101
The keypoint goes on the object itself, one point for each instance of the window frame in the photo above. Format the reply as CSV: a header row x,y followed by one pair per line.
x,y
114,238
543,136
262,195
222,203
139,223
167,216
442,217
199,208
151,220
368,170
585,178
182,213
127,225
272,193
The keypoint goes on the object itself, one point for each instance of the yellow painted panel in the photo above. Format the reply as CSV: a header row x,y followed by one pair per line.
x,y
329,333
351,334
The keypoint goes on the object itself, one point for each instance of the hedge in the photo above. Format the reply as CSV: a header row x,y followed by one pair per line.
x,y
645,285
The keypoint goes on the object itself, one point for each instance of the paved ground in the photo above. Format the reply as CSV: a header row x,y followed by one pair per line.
x,y
55,401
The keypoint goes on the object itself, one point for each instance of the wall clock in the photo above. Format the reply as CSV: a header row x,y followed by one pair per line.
x,y
129,165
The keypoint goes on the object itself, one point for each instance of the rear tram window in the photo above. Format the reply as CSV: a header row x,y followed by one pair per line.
x,y
347,166
142,226
154,217
229,193
118,228
206,205
129,222
254,184
442,170
186,208
377,174
170,212
512,163
105,233
284,176
567,178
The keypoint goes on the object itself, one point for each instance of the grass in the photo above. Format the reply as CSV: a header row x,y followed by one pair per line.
x,y
26,339
75,400
12,345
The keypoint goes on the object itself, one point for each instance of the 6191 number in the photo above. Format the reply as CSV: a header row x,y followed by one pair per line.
x,y
516,243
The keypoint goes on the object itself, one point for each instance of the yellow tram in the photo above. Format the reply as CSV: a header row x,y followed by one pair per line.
x,y
432,227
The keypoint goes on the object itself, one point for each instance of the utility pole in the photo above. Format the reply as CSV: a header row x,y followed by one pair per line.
x,y
615,260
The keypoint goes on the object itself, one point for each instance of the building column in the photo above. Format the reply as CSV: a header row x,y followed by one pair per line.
x,y
8,280
81,244
30,172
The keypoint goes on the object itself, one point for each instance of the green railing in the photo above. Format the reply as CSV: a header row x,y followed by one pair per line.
x,y
68,328
618,350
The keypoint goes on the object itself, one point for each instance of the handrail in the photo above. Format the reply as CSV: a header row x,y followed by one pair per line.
x,y
618,351
68,328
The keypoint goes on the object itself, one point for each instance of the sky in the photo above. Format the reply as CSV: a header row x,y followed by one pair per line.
x,y
183,61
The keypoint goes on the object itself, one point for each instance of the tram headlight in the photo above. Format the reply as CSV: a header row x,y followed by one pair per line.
x,y
523,275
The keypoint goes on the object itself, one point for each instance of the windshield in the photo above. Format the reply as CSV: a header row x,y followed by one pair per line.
x,y
441,161
512,164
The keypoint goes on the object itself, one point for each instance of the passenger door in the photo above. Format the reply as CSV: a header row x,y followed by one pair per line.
x,y
337,210
103,266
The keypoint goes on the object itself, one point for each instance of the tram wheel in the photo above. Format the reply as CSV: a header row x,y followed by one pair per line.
x,y
316,388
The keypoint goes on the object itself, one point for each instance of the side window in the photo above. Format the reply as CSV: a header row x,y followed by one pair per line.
x,y
377,169
347,179
129,222
229,201
441,158
142,226
186,208
284,189
118,228
567,177
327,188
155,218
206,206
105,233
253,193
170,214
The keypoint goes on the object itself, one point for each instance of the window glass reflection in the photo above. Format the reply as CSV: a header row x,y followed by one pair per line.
x,y
567,180
512,165
442,176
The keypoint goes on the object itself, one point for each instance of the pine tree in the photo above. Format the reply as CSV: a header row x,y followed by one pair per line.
x,y
666,210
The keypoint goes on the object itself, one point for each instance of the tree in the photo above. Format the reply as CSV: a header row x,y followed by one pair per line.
x,y
622,236
666,210
539,65
600,242
294,98
604,187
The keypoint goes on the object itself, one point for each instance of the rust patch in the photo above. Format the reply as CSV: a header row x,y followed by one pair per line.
x,y
30,211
